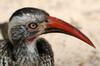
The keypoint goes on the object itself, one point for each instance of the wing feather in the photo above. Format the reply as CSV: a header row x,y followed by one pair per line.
x,y
5,58
45,52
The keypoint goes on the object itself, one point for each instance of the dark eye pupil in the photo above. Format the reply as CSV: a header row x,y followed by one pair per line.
x,y
33,25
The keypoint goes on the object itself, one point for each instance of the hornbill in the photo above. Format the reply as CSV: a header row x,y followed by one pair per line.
x,y
24,47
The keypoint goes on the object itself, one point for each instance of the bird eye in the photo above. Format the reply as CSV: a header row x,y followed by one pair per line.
x,y
32,25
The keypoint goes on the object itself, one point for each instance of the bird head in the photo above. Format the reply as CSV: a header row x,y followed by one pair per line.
x,y
27,24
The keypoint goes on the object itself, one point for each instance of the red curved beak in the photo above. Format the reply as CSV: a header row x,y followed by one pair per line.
x,y
58,25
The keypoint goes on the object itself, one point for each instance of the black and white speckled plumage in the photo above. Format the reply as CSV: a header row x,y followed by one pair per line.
x,y
40,15
44,55
15,52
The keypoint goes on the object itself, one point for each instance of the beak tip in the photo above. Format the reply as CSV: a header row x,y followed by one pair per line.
x,y
94,46
91,44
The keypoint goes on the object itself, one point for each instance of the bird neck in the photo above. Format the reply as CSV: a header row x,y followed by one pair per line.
x,y
23,51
